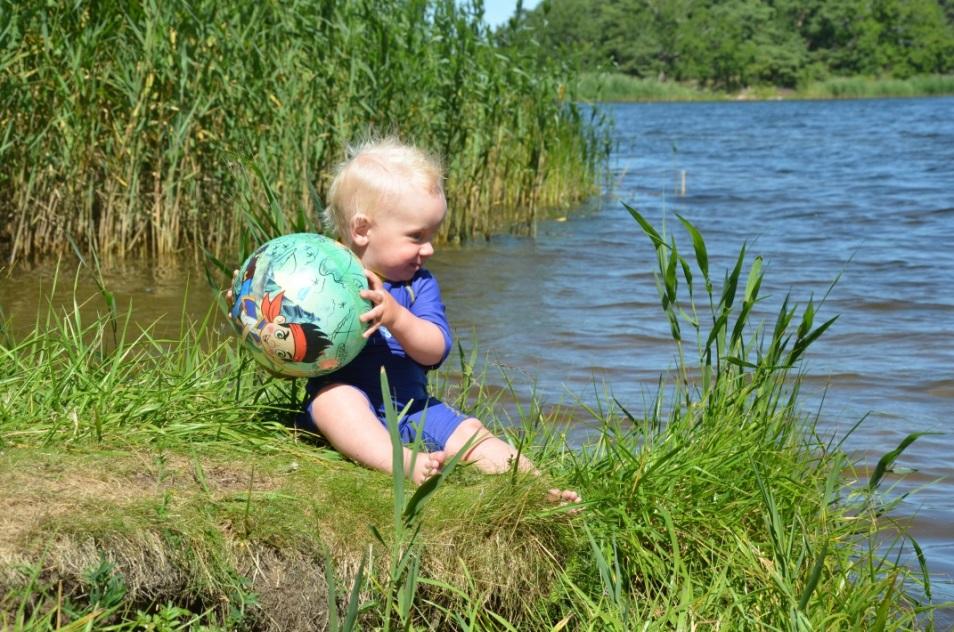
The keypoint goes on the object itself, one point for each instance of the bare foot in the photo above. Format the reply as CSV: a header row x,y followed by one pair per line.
x,y
426,464
563,497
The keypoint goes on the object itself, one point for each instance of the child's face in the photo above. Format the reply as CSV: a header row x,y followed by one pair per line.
x,y
400,234
277,341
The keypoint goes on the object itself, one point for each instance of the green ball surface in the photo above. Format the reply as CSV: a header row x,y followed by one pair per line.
x,y
296,305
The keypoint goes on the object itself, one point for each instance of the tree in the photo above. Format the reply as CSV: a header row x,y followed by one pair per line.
x,y
735,43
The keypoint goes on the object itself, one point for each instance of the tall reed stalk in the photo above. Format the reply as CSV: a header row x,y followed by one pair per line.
x,y
123,123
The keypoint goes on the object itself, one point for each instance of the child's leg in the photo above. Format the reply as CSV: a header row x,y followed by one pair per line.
x,y
493,455
488,453
342,415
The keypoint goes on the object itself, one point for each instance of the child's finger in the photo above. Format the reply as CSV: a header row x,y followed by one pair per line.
x,y
375,296
374,281
373,314
370,315
229,295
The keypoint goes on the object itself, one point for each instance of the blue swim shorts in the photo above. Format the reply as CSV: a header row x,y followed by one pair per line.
x,y
431,420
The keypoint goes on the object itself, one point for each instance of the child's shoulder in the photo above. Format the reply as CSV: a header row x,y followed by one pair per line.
x,y
423,276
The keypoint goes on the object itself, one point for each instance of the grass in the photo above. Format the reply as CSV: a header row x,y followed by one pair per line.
x,y
867,87
610,87
151,482
137,128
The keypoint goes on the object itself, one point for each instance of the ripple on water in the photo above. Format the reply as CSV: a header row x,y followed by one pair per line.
x,y
937,388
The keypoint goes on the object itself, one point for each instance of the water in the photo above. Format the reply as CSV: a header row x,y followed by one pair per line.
x,y
860,189
864,189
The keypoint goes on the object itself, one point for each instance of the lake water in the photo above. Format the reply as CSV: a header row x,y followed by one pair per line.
x,y
864,189
860,189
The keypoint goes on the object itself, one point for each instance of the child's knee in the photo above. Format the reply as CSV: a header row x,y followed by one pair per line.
x,y
330,403
467,435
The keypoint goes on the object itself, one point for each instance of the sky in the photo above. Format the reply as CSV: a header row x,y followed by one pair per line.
x,y
496,12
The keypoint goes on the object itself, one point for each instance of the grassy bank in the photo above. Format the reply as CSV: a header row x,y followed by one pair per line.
x,y
610,87
150,482
130,127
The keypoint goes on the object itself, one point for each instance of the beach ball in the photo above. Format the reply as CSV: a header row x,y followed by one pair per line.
x,y
297,303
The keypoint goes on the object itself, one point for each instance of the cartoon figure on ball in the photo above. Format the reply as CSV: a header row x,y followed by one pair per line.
x,y
297,303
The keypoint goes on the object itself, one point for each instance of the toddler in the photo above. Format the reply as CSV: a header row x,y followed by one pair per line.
x,y
387,203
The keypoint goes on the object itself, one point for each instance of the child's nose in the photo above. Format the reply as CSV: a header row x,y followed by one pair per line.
x,y
427,249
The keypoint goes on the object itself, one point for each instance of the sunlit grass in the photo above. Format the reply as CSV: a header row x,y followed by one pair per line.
x,y
155,478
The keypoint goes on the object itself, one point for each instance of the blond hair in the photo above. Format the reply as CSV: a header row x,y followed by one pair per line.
x,y
374,171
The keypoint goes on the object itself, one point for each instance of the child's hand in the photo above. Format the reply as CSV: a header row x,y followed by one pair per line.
x,y
228,292
385,311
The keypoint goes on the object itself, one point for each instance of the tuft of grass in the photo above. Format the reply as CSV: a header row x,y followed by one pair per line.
x,y
722,506
169,461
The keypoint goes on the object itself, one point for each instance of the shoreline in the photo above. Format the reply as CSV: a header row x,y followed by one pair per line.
x,y
619,88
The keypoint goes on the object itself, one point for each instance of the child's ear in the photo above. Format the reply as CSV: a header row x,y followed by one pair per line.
x,y
359,226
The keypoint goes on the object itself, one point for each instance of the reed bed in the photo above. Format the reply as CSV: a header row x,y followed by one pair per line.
x,y
874,87
610,87
156,485
136,128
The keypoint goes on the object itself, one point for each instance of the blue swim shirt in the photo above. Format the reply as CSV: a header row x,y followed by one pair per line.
x,y
407,378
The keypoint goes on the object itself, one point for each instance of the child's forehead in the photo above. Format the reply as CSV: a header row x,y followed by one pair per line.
x,y
410,196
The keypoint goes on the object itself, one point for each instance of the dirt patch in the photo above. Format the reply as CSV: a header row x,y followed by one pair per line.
x,y
284,590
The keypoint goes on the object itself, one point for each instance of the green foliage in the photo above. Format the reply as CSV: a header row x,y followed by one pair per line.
x,y
733,44
127,126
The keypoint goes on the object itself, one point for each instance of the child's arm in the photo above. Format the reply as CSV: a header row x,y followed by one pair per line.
x,y
422,340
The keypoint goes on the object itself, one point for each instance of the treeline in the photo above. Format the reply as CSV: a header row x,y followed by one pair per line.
x,y
148,127
732,44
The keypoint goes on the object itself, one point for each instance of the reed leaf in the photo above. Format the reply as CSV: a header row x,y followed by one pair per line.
x,y
646,226
699,246
888,459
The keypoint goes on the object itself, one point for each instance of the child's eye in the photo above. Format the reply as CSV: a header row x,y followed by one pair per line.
x,y
281,334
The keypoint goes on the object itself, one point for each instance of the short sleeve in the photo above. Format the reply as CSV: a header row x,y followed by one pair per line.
x,y
428,305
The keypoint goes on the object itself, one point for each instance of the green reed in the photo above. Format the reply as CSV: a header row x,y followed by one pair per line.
x,y
125,125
